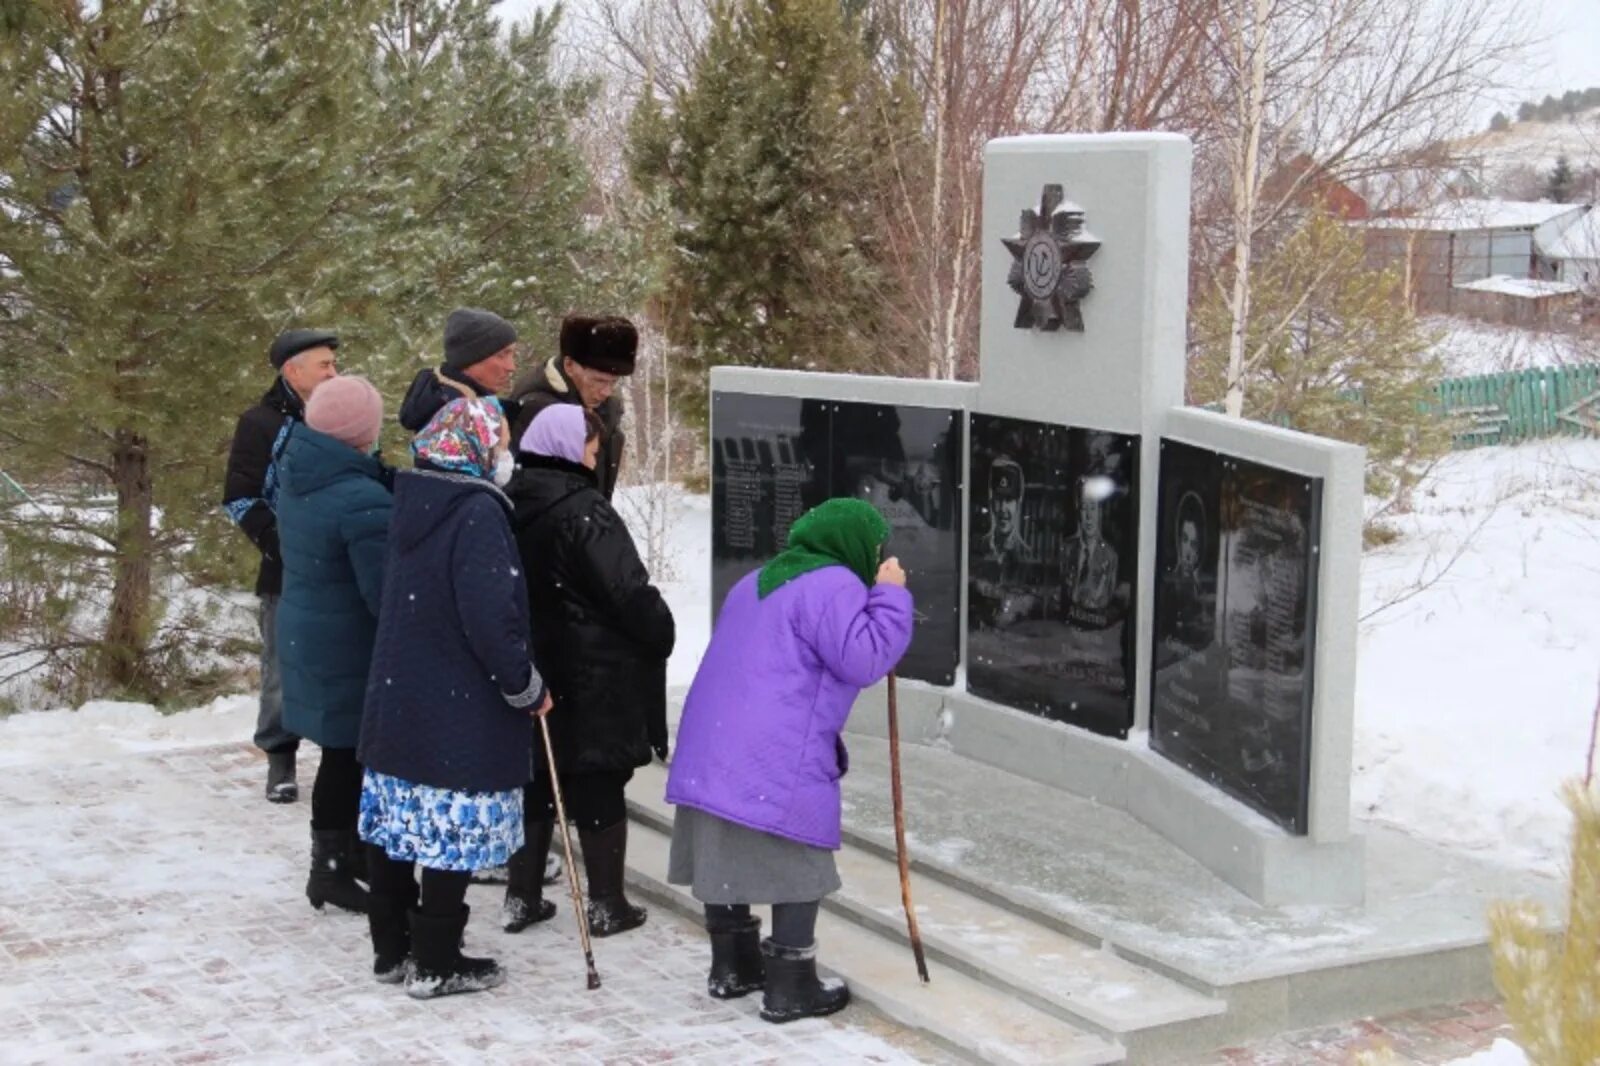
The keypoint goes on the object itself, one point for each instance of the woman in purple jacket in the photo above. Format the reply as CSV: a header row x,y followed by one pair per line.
x,y
756,775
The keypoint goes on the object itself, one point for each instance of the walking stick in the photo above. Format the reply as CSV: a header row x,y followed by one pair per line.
x,y
566,845
900,832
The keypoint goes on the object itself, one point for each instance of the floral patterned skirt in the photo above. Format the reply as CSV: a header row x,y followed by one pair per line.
x,y
440,828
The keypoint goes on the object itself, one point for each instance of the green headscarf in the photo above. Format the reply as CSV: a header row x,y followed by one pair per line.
x,y
838,532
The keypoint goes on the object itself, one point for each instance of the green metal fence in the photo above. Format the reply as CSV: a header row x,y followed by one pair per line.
x,y
1523,405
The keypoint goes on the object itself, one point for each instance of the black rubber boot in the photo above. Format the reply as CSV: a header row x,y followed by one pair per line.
x,y
281,784
389,919
330,880
355,856
604,855
736,964
525,904
438,967
793,990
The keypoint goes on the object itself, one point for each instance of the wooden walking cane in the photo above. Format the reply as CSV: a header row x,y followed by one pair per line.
x,y
566,845
900,832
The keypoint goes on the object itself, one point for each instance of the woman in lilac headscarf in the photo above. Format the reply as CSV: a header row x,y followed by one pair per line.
x,y
601,638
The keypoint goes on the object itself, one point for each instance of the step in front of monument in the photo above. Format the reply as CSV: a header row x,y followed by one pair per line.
x,y
973,1019
1056,973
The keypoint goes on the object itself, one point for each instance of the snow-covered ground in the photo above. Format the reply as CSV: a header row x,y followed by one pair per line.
x,y
1480,656
1478,678
1467,348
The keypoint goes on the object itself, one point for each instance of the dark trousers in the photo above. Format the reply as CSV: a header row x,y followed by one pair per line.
x,y
444,892
592,801
336,796
271,737
794,925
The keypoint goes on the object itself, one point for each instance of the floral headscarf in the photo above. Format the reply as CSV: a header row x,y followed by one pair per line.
x,y
462,437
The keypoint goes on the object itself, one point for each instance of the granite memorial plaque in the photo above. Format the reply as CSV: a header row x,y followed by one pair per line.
x,y
1235,600
907,462
769,464
1051,571
775,457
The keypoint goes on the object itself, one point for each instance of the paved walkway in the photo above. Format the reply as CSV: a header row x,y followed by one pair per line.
x,y
1419,1038
152,912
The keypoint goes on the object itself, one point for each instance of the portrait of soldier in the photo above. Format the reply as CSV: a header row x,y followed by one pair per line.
x,y
1002,578
1006,489
1183,586
1091,561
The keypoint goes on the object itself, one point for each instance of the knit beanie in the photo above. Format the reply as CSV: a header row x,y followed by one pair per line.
x,y
558,431
609,344
347,409
471,336
291,342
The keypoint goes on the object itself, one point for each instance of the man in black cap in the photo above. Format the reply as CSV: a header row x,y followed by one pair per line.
x,y
480,359
304,359
595,354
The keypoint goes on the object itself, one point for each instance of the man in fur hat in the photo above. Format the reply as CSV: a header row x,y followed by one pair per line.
x,y
596,353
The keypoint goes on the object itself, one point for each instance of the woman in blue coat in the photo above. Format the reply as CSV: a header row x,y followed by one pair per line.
x,y
447,731
333,526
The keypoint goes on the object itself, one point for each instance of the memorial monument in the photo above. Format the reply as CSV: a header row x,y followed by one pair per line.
x,y
1118,595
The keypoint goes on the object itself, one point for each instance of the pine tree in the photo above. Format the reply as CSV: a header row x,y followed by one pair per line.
x,y
776,162
1551,980
167,173
1500,122
476,191
1331,349
180,181
1558,187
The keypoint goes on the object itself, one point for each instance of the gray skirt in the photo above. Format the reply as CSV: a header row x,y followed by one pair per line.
x,y
723,862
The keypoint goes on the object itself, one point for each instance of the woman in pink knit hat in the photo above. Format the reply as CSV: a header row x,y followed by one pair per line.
x,y
333,527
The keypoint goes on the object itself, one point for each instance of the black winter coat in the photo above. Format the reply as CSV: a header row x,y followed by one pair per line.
x,y
428,394
250,487
601,632
547,384
451,685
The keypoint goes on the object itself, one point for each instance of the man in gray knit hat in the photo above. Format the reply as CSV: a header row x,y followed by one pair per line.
x,y
480,359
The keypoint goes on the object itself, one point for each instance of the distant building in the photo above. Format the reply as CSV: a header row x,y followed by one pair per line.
x,y
1573,255
1459,242
1532,303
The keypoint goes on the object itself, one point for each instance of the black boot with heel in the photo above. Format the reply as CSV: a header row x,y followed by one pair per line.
x,y
331,879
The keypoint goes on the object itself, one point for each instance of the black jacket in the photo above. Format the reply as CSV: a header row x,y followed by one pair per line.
x,y
451,685
428,394
601,632
250,488
548,384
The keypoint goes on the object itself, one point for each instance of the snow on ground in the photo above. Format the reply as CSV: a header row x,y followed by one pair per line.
x,y
1502,1053
1475,693
1480,660
1468,348
154,911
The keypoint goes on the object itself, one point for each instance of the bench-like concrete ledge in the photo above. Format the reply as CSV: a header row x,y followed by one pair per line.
x,y
1250,853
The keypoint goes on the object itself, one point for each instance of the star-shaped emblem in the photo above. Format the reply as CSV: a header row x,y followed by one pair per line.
x,y
1048,271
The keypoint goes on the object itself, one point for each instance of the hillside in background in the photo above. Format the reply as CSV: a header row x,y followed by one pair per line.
x,y
1515,163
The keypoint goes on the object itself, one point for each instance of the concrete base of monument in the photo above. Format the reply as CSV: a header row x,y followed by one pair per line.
x,y
1062,929
1240,846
